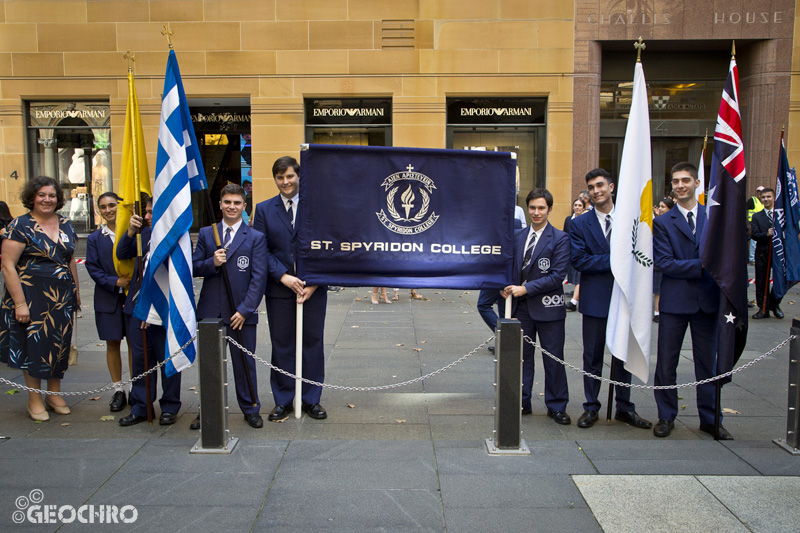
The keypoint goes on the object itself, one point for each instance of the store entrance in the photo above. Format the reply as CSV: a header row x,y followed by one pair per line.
x,y
222,128
665,153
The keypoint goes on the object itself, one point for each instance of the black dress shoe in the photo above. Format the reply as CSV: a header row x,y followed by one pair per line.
x,y
527,411
132,420
655,319
723,433
118,402
167,419
777,312
571,306
760,315
255,420
195,425
663,428
316,411
491,349
280,413
587,419
632,419
561,417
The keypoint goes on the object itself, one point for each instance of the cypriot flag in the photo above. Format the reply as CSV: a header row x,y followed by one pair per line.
x,y
631,310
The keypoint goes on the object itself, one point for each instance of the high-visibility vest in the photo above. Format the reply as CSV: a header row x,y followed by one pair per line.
x,y
758,207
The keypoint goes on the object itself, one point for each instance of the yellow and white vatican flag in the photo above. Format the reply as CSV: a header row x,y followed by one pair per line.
x,y
631,310
134,175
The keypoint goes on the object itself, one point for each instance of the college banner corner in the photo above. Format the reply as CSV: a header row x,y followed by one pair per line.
x,y
405,217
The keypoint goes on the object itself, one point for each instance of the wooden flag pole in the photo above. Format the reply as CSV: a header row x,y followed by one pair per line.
x,y
764,309
137,209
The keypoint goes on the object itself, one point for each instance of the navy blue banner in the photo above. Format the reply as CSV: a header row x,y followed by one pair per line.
x,y
405,217
785,238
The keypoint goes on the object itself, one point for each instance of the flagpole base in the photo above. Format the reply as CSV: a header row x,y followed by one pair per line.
x,y
227,448
786,446
492,448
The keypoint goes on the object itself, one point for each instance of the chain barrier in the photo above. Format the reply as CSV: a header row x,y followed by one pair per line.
x,y
102,389
360,389
410,381
659,387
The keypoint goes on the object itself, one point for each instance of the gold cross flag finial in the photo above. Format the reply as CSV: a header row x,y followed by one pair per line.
x,y
639,45
167,32
130,56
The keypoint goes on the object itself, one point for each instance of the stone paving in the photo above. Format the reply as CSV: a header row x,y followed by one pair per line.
x,y
410,458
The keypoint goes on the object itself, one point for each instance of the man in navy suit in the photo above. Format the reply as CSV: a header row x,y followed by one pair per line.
x,y
689,297
590,235
275,218
244,255
170,401
761,228
541,258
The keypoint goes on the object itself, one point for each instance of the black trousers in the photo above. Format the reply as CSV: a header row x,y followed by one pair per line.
x,y
762,275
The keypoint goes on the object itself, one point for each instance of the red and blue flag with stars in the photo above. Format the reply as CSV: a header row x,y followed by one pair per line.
x,y
724,243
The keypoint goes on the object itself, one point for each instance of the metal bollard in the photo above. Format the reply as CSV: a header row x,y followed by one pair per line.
x,y
213,382
792,442
507,438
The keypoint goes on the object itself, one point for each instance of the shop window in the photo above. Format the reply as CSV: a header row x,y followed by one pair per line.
x,y
70,142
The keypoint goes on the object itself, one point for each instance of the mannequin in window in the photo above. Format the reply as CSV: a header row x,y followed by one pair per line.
x,y
77,170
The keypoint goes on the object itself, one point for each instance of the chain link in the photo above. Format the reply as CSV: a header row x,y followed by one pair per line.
x,y
659,387
410,381
360,389
103,389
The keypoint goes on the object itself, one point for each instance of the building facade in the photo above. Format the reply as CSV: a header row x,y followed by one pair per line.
x,y
546,79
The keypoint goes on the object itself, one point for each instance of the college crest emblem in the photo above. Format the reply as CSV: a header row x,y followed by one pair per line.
x,y
243,262
408,202
544,264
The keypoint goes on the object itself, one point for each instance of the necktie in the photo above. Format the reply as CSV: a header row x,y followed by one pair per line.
x,y
227,238
526,260
690,219
608,229
769,216
291,212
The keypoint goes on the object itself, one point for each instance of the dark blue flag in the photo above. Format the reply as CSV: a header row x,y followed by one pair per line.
x,y
785,243
724,243
405,217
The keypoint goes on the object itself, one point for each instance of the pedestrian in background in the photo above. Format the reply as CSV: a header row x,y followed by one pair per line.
x,y
663,206
573,276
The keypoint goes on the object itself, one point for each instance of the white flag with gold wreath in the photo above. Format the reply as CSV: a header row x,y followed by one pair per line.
x,y
630,313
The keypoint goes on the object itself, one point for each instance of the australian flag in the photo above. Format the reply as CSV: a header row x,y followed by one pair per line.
x,y
724,243
785,243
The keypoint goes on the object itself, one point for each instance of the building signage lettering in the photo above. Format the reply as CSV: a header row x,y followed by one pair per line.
x,y
75,113
629,18
750,17
497,111
350,112
220,117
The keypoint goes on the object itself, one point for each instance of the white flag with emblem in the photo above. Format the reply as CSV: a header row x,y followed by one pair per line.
x,y
631,310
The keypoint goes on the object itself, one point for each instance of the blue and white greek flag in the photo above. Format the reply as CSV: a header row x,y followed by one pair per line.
x,y
166,297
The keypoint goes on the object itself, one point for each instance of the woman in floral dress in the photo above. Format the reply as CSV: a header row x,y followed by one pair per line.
x,y
41,294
